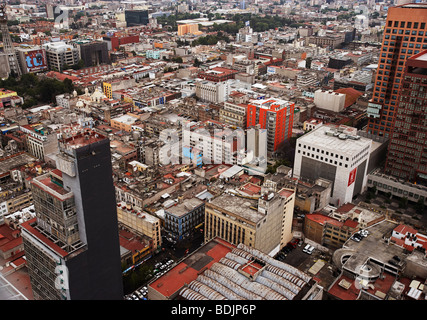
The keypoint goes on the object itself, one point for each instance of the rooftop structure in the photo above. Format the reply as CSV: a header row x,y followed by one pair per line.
x,y
221,271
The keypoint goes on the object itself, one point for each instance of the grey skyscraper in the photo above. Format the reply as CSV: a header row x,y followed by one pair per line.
x,y
72,246
8,49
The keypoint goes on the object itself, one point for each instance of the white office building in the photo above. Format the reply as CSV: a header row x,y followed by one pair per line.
x,y
59,54
329,100
335,153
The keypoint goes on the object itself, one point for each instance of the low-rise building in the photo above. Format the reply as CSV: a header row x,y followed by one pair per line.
x,y
182,218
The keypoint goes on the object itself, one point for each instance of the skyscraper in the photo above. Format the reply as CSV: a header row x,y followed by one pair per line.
x,y
407,153
8,49
405,34
72,246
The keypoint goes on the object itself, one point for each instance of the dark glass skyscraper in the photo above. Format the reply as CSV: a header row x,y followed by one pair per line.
x,y
72,246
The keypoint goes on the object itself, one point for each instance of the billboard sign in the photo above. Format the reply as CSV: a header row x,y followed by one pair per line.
x,y
35,60
352,176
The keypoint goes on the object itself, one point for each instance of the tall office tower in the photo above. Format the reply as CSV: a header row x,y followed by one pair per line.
x,y
404,35
275,115
72,246
407,152
8,49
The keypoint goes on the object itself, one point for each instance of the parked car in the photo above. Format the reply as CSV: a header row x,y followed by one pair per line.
x,y
308,249
356,237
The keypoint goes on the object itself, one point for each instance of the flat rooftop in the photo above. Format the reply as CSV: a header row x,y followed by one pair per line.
x,y
239,206
14,161
372,247
183,208
321,140
45,183
82,139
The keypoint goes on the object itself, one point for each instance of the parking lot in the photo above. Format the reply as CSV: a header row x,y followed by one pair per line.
x,y
159,269
296,257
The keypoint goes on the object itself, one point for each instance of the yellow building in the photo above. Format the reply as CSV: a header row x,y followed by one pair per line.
x,y
124,122
107,88
5,93
141,222
263,223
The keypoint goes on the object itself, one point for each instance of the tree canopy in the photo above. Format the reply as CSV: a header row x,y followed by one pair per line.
x,y
37,90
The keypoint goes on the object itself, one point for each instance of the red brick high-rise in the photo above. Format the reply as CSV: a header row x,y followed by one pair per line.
x,y
407,152
405,34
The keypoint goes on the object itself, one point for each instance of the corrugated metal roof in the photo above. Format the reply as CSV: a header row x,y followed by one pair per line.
x,y
226,279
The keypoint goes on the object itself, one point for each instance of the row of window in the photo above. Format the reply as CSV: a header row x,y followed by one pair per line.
x,y
406,24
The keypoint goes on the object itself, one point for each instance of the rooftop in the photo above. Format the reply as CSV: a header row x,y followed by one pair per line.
x,y
220,270
183,208
242,207
324,141
82,139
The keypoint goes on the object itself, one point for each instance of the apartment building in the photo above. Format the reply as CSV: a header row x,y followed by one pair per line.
x,y
76,228
210,91
276,116
233,114
217,142
407,152
182,218
140,221
40,141
59,54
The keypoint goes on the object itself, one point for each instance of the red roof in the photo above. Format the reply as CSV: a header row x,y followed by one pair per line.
x,y
189,269
351,95
350,223
322,219
28,227
61,76
345,208
403,229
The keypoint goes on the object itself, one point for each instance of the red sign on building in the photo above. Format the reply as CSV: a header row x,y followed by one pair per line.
x,y
352,176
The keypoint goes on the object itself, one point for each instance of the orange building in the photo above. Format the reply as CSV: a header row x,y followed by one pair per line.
x,y
405,35
188,28
275,115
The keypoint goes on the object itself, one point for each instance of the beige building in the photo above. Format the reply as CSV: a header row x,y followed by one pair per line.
x,y
233,114
264,224
188,28
124,122
140,221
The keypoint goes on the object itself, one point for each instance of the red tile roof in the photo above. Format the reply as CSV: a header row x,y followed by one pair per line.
x,y
351,95
184,272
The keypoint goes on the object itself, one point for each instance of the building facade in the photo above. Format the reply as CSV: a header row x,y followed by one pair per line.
x,y
263,223
181,219
404,35
336,154
407,152
59,54
94,53
76,229
276,116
